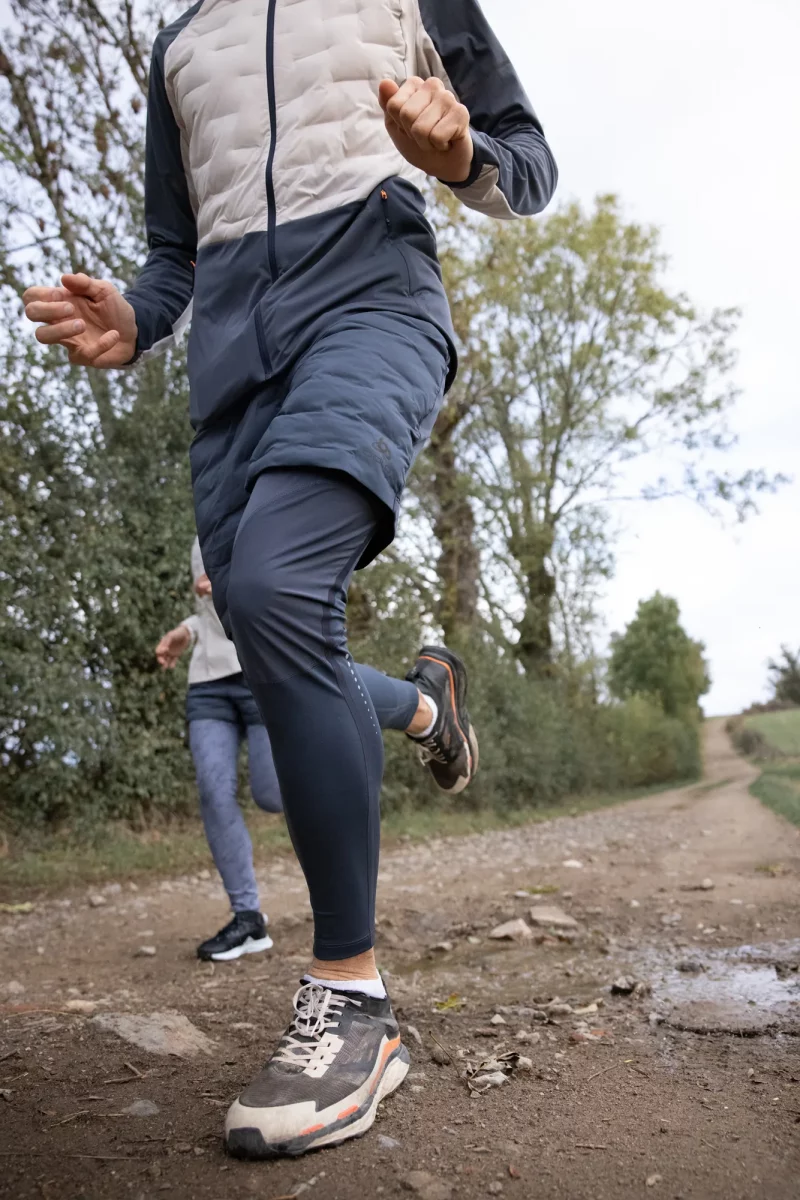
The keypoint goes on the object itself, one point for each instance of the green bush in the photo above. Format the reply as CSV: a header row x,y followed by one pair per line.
x,y
649,747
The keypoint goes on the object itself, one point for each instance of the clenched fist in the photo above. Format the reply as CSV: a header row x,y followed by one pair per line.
x,y
429,127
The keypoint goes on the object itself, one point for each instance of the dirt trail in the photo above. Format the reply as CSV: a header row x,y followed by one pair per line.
x,y
688,1087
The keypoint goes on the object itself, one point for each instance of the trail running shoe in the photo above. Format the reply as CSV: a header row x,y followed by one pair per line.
x,y
338,1059
450,751
245,934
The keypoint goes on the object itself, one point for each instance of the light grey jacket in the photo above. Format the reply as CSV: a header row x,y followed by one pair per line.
x,y
214,655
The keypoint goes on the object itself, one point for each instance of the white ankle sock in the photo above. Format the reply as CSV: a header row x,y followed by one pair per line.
x,y
434,707
368,987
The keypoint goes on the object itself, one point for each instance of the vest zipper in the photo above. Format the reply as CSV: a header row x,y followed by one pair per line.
x,y
273,264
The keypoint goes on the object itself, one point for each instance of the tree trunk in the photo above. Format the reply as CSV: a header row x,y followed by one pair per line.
x,y
458,565
535,645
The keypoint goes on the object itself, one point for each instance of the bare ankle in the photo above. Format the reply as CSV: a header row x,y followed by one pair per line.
x,y
361,967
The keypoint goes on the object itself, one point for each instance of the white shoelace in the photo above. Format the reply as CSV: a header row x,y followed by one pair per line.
x,y
429,749
316,1011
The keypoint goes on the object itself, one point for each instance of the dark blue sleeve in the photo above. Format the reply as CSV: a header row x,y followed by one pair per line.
x,y
513,172
162,294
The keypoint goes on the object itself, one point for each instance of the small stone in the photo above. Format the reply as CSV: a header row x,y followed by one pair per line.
x,y
204,875
653,1180
415,1034
491,1079
673,918
443,947
573,863
440,1056
165,886
474,941
557,1009
586,1011
514,931
707,885
426,1186
736,901
145,952
497,1020
623,985
387,1143
584,1034
96,900
552,917
523,1063
635,904
495,1188
690,966
15,988
142,1108
112,889
81,1006
527,1038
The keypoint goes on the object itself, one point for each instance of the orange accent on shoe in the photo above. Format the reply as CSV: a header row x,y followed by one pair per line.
x,y
441,663
311,1129
346,1112
388,1049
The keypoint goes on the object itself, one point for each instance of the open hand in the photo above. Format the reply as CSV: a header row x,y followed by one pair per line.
x,y
428,126
172,646
88,316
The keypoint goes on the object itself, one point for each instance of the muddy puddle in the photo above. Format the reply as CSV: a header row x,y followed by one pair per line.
x,y
747,990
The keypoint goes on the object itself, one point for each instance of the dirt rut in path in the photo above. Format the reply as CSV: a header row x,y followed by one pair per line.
x,y
682,1080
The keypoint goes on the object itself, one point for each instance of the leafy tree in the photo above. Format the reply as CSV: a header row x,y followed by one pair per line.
x,y
95,512
578,361
656,657
785,676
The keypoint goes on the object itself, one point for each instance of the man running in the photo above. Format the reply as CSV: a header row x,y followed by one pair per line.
x,y
286,144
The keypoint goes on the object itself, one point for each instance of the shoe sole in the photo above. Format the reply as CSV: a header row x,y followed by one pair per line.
x,y
250,1143
458,688
251,946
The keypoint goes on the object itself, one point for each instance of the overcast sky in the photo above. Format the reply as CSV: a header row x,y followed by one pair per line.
x,y
691,112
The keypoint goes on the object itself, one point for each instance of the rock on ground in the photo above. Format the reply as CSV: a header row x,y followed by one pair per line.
x,y
515,931
158,1032
550,916
427,1186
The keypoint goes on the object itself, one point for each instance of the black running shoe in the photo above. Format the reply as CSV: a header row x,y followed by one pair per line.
x,y
245,934
338,1059
450,751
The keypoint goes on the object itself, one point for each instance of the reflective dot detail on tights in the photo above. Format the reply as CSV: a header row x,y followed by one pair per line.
x,y
363,696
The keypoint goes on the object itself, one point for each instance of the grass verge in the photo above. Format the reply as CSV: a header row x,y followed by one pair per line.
x,y
57,863
778,729
778,787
